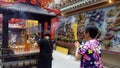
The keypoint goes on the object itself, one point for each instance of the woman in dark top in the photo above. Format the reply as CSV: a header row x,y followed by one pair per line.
x,y
46,49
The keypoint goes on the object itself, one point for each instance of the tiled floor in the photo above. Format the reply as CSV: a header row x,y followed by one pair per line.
x,y
65,61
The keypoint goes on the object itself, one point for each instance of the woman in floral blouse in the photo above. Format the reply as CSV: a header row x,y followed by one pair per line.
x,y
90,52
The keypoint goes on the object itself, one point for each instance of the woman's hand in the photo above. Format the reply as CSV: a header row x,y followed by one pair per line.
x,y
77,44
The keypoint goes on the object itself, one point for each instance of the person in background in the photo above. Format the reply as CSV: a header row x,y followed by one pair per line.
x,y
90,52
37,36
46,50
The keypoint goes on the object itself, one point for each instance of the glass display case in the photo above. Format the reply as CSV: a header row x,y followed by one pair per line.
x,y
21,51
22,35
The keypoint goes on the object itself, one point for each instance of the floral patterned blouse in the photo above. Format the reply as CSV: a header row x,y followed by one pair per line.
x,y
91,55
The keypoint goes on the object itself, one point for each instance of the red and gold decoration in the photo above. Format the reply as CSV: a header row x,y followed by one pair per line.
x,y
16,23
6,2
45,2
37,2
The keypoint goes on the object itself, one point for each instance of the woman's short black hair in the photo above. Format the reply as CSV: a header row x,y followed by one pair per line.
x,y
92,30
47,33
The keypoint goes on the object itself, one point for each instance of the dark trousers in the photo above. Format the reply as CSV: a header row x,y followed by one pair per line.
x,y
44,62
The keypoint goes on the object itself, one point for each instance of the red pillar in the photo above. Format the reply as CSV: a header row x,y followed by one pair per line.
x,y
52,28
45,26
